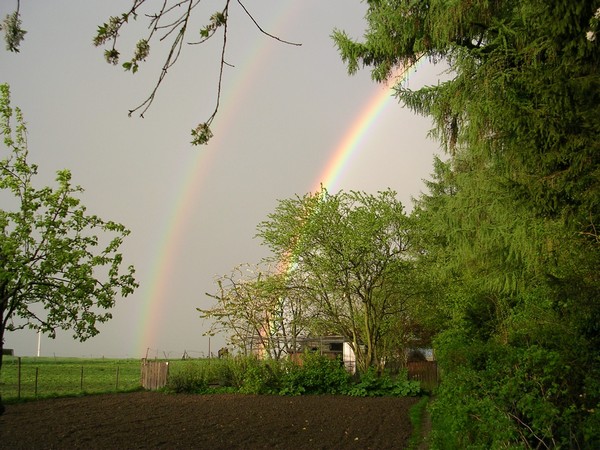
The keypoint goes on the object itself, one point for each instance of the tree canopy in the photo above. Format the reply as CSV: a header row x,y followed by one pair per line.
x,y
60,267
344,268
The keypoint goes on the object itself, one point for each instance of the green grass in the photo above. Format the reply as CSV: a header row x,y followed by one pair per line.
x,y
62,377
416,415
178,365
58,377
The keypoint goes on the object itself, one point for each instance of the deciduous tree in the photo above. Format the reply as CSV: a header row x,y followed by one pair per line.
x,y
259,311
60,267
351,253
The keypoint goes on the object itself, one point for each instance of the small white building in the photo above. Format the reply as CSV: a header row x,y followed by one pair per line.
x,y
334,347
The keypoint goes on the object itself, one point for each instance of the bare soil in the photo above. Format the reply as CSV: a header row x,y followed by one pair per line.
x,y
156,420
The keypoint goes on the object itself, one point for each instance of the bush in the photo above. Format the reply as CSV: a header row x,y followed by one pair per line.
x,y
507,396
372,384
316,375
189,380
225,373
259,377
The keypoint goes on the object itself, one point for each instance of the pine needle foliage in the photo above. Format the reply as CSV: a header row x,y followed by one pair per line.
x,y
509,228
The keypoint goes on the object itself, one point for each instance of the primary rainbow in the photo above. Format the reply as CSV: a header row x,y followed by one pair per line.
x,y
352,140
156,294
357,133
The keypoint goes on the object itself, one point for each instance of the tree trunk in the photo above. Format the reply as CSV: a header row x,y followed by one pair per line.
x,y
1,355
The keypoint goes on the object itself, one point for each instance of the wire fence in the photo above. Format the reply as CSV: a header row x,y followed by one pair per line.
x,y
23,378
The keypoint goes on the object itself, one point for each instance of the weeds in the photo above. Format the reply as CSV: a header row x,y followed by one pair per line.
x,y
316,375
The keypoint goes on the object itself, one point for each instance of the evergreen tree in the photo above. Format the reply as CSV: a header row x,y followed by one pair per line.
x,y
509,228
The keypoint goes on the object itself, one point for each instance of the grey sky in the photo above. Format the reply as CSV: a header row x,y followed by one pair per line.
x,y
284,111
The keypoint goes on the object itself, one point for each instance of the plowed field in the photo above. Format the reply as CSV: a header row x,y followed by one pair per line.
x,y
156,420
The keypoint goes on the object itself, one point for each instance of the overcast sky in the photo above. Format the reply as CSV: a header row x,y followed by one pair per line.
x,y
193,211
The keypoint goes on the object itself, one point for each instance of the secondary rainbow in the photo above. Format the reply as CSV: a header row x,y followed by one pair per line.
x,y
186,196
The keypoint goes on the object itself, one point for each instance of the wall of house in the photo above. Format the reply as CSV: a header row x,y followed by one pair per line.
x,y
349,358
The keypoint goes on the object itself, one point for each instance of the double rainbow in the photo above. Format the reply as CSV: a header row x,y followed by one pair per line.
x,y
167,252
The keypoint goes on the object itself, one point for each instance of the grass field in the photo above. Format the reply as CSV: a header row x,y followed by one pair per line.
x,y
57,377
53,377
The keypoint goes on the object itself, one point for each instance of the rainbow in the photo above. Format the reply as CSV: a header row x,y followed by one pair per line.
x,y
153,302
156,292
358,132
353,138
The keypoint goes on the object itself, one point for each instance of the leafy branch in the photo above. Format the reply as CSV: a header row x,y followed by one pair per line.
x,y
13,33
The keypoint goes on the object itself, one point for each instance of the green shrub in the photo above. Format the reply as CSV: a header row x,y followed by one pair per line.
x,y
372,384
189,380
496,395
223,373
463,416
259,377
316,375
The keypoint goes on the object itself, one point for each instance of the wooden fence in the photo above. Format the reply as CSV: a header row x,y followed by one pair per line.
x,y
154,374
424,371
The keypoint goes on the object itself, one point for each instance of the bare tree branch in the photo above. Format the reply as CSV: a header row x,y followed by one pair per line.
x,y
175,28
172,58
263,31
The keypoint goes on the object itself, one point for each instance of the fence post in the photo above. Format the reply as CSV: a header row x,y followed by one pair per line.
x,y
19,379
81,382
